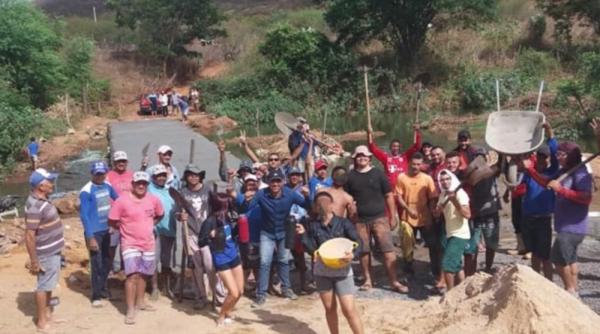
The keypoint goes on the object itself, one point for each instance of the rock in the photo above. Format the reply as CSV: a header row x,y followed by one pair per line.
x,y
68,204
71,131
96,133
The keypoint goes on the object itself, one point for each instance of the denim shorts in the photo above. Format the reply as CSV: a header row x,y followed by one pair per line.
x,y
489,227
564,250
48,278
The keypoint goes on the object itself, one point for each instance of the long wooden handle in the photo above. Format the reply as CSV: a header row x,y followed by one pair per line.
x,y
367,97
576,167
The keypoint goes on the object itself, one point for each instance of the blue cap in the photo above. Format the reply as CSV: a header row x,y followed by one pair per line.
x,y
99,167
295,170
39,175
275,175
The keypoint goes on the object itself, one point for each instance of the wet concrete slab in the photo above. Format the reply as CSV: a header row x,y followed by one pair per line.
x,y
132,136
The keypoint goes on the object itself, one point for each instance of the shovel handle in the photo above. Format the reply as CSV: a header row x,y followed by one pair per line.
x,y
576,167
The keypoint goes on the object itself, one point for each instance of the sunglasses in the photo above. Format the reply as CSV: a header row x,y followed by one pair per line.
x,y
273,159
168,153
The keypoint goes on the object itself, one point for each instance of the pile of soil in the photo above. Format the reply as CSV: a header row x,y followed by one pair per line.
x,y
515,300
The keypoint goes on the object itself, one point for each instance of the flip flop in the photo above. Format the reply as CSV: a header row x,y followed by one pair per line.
x,y
398,287
365,287
129,319
58,320
147,308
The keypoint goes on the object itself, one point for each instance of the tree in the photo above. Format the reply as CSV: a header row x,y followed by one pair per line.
x,y
30,52
564,12
402,24
166,26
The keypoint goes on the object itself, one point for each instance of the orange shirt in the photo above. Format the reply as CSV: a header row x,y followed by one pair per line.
x,y
416,191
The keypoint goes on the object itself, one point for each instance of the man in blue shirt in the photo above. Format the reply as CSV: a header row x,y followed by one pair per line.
x,y
319,181
275,203
95,198
165,234
33,149
538,206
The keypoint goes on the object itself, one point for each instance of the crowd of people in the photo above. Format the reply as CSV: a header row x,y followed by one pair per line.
x,y
159,103
247,230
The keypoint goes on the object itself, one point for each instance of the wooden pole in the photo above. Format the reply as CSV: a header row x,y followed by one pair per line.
x,y
497,95
94,12
539,100
419,88
365,69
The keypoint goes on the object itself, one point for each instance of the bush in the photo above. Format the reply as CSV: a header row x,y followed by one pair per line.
x,y
533,66
267,104
478,89
589,70
536,28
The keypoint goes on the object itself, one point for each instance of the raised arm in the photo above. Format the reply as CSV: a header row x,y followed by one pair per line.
x,y
222,162
249,152
418,139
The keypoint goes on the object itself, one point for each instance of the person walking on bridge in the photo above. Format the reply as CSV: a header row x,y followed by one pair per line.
x,y
165,154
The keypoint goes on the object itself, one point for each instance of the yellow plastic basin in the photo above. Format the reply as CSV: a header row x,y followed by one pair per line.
x,y
332,251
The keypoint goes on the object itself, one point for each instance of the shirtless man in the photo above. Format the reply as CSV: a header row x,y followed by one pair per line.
x,y
343,203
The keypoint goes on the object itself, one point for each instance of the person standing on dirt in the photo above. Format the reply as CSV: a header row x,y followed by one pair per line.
x,y
453,204
485,205
182,105
165,154
166,235
33,150
371,190
466,151
416,194
163,104
194,98
343,204
453,163
332,283
300,216
96,198
538,206
153,103
320,180
275,203
196,193
396,162
135,214
219,234
44,241
437,163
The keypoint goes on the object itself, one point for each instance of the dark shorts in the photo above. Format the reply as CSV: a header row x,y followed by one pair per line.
x,y
489,228
165,250
473,243
341,286
537,235
453,254
228,265
378,228
249,255
47,280
564,250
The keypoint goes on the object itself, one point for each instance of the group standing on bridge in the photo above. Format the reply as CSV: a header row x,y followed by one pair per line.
x,y
248,230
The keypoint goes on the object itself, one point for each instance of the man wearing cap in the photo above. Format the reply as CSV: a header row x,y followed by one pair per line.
x,y
168,258
538,205
466,151
95,198
196,193
120,177
44,241
135,215
165,153
300,215
372,191
396,161
320,180
275,203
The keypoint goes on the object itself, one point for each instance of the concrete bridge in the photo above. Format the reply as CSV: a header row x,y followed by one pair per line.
x,y
132,136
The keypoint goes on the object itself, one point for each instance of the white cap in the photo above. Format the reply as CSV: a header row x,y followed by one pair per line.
x,y
164,149
141,176
250,177
119,155
158,169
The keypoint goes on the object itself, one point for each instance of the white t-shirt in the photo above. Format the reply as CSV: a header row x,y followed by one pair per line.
x,y
456,224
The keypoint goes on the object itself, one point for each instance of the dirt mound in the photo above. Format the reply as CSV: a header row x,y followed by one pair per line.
x,y
515,300
209,124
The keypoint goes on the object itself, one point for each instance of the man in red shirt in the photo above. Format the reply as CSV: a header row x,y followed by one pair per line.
x,y
395,162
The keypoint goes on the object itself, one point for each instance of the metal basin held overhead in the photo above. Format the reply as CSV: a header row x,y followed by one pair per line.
x,y
515,132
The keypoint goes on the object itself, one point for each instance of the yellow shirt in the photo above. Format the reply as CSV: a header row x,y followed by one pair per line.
x,y
416,191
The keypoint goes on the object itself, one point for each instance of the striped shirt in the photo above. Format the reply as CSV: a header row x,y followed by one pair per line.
x,y
42,217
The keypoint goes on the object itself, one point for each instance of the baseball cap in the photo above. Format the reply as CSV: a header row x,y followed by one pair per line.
x,y
480,151
159,169
98,167
463,134
141,176
361,149
191,168
295,170
543,150
39,175
164,149
275,175
119,155
320,164
301,120
250,177
245,165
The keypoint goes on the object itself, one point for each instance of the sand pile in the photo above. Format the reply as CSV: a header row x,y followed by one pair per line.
x,y
515,300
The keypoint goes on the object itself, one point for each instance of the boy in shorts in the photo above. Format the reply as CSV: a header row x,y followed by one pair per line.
x,y
135,215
